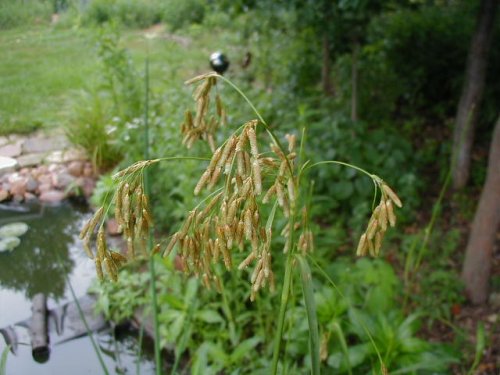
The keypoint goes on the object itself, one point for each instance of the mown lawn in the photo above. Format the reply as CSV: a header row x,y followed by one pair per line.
x,y
42,68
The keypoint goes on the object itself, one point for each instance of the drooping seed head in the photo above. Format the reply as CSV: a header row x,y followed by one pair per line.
x,y
392,195
390,212
362,245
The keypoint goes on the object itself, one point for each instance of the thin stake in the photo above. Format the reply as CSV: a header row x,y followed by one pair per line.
x,y
147,191
87,328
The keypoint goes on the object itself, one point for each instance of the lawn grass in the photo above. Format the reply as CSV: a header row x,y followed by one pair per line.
x,y
42,68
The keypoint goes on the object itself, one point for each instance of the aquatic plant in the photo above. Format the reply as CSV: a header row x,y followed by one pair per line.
x,y
9,235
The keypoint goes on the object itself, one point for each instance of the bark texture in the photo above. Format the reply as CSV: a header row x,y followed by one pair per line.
x,y
478,254
472,92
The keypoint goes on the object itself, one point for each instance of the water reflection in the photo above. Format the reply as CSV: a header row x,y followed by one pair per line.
x,y
42,260
49,252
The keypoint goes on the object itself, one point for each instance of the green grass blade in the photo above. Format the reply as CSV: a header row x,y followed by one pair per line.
x,y
312,318
183,342
343,345
87,328
3,360
480,345
285,294
270,219
365,328
139,350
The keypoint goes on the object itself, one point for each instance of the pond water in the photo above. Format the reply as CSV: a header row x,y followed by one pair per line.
x,y
49,254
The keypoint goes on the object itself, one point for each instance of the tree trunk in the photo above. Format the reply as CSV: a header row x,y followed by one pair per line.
x,y
478,254
472,91
326,81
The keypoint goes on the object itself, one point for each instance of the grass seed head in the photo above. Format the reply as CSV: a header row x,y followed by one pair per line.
x,y
253,141
390,212
92,223
362,246
87,247
291,138
257,178
98,268
392,195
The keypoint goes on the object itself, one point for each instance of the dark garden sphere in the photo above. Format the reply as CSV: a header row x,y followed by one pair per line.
x,y
219,62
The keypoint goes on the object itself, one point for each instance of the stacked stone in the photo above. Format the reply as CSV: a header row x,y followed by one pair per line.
x,y
47,169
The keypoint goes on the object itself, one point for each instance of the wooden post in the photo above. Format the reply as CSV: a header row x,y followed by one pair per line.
x,y
38,330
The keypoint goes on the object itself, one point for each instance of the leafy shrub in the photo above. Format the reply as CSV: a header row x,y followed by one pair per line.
x,y
90,129
432,80
108,111
141,13
232,335
372,147
435,290
179,13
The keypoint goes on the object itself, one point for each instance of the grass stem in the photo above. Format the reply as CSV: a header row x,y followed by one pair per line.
x,y
147,189
285,293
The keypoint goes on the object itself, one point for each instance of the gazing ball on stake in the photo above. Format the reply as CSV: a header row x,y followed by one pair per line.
x,y
219,62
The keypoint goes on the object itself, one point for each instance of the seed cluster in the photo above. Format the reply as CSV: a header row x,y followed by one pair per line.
x,y
370,241
132,214
203,126
231,219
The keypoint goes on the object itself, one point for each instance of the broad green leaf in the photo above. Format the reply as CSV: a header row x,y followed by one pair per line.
x,y
244,348
357,355
209,316
217,353
200,362
173,301
191,290
176,327
480,345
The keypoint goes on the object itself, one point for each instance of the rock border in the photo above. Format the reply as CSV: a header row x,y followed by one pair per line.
x,y
48,169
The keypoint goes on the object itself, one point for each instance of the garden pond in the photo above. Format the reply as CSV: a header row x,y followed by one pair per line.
x,y
48,256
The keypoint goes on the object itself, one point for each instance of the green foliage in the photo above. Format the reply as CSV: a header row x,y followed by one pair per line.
x,y
431,81
117,302
104,189
115,105
144,13
434,289
369,308
119,77
180,13
480,346
90,130
226,332
141,13
340,190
